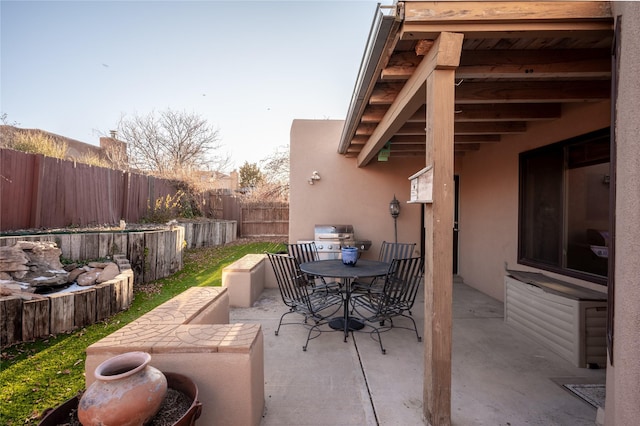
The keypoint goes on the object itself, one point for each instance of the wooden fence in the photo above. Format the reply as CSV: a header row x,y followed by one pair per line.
x,y
38,192
254,219
44,192
260,219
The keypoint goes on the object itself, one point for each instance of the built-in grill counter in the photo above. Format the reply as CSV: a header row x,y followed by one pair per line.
x,y
330,239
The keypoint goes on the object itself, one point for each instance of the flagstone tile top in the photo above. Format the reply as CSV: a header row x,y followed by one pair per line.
x,y
168,328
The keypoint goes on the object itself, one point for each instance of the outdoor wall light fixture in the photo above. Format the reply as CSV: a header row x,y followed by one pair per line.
x,y
394,209
314,177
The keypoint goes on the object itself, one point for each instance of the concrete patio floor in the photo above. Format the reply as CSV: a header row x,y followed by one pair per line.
x,y
499,377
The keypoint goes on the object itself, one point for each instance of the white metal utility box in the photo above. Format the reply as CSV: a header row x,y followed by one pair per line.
x,y
568,319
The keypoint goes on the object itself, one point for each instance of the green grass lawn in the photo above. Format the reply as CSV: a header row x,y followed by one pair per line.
x,y
43,374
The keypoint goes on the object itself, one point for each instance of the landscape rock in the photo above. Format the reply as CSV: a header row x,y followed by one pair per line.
x,y
42,253
70,267
100,265
73,275
109,272
31,267
88,278
12,288
49,278
18,275
13,259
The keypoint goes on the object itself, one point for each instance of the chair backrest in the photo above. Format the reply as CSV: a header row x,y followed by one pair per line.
x,y
303,252
401,284
292,282
390,251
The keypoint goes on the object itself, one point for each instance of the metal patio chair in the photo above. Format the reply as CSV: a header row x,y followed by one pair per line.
x,y
395,299
308,252
317,306
388,252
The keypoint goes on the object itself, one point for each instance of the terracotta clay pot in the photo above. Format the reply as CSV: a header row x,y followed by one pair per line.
x,y
127,392
62,414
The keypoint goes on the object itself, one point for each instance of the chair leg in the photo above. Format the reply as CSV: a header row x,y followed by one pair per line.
x,y
415,327
304,348
281,318
379,339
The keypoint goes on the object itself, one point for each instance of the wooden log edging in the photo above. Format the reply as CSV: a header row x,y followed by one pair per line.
x,y
153,254
26,320
209,233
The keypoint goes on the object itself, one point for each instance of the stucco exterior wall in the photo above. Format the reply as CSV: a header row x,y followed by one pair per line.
x,y
623,378
346,194
488,219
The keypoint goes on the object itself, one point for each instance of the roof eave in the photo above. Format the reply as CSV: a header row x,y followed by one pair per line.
x,y
382,38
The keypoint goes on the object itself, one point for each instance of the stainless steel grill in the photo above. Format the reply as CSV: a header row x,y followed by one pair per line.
x,y
330,239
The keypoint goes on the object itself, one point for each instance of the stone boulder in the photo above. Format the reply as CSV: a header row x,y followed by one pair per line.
x,y
36,263
42,253
109,272
34,266
88,278
13,259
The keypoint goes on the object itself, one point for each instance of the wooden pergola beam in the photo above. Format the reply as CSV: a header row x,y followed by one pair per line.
x,y
445,54
523,64
512,91
425,20
487,12
420,139
530,64
479,112
507,112
470,128
533,91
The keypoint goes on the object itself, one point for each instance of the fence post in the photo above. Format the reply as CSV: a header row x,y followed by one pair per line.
x,y
124,214
36,197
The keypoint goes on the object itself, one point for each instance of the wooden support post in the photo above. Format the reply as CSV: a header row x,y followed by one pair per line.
x,y
10,320
440,100
104,292
162,269
136,254
150,255
76,246
84,307
105,244
35,318
62,312
91,246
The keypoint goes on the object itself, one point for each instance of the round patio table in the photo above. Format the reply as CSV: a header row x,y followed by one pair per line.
x,y
334,268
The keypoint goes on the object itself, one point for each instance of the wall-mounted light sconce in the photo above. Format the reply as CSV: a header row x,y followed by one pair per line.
x,y
394,209
315,176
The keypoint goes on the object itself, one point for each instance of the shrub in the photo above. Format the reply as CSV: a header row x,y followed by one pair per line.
x,y
37,143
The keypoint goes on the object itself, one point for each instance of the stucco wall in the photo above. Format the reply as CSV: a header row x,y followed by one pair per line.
x,y
346,194
488,219
623,379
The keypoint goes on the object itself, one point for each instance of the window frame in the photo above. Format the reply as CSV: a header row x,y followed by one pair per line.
x,y
561,148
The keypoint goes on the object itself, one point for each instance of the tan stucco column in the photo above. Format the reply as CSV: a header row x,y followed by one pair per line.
x,y
622,406
440,100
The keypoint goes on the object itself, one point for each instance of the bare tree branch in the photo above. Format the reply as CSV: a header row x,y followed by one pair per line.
x,y
171,143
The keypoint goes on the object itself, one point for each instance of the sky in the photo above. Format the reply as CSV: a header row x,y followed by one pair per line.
x,y
249,68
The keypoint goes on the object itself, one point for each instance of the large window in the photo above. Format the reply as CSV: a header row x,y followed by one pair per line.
x,y
564,207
